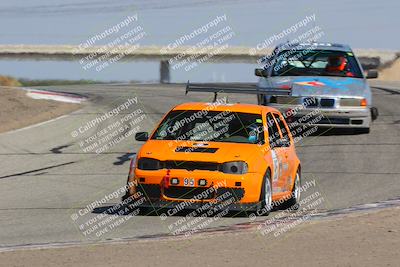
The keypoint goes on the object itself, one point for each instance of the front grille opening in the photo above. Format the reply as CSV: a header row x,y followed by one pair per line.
x,y
202,193
196,149
328,121
236,193
183,192
310,102
323,121
327,102
149,191
357,122
191,165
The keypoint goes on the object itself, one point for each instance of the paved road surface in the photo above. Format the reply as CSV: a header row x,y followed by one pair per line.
x,y
46,177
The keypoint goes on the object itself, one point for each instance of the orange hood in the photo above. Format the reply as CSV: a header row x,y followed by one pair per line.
x,y
200,151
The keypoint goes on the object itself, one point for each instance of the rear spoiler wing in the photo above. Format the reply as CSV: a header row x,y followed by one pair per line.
x,y
236,89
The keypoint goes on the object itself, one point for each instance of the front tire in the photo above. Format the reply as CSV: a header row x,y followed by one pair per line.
x,y
374,113
293,202
265,195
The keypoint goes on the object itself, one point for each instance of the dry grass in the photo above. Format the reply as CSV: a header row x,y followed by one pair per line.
x,y
9,81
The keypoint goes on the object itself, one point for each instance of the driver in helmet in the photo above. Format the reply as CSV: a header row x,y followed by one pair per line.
x,y
254,132
338,64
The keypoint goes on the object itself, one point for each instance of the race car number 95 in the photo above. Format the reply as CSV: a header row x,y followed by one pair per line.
x,y
188,181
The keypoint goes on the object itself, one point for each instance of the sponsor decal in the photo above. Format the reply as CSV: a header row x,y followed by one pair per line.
x,y
311,83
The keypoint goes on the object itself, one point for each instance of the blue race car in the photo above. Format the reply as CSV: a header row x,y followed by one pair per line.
x,y
323,79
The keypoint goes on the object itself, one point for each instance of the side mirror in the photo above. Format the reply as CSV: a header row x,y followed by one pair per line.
x,y
142,136
260,72
372,74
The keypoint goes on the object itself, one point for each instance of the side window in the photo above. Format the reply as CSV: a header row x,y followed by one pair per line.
x,y
283,128
273,132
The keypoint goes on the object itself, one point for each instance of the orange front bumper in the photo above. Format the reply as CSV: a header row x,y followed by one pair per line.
x,y
244,188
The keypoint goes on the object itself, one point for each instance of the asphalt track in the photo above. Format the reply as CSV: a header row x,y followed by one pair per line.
x,y
46,177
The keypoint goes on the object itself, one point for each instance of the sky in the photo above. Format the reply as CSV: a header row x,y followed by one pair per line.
x,y
361,24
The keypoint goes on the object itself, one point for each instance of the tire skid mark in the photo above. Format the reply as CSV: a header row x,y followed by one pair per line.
x,y
36,170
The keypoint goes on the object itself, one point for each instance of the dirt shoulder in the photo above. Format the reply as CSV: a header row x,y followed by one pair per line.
x,y
17,110
391,73
370,239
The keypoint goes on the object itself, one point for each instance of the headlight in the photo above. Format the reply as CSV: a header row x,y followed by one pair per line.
x,y
235,167
353,102
148,164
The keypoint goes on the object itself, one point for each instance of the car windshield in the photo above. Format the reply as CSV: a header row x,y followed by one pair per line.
x,y
316,63
203,125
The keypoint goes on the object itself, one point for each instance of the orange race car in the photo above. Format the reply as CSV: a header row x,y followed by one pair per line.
x,y
204,153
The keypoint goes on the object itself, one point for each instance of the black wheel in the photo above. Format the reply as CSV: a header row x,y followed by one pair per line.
x,y
374,113
126,196
265,204
293,201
